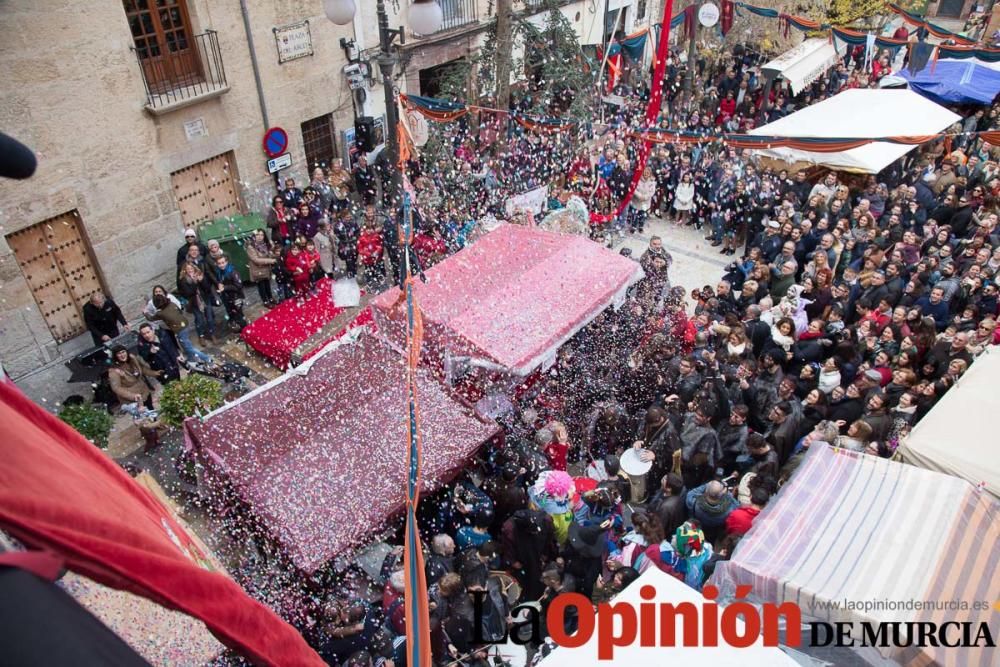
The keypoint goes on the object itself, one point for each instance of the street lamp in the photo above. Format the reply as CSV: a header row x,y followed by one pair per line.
x,y
426,18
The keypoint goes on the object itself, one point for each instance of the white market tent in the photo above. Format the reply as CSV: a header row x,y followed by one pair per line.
x,y
958,436
803,63
858,113
668,589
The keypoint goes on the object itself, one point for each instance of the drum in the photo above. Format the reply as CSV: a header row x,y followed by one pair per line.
x,y
508,586
637,471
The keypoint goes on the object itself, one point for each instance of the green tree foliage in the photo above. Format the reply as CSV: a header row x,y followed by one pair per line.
x,y
189,397
560,79
92,421
846,12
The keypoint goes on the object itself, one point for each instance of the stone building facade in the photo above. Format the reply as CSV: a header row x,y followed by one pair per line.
x,y
148,116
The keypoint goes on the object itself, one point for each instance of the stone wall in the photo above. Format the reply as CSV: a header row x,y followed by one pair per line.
x,y
73,92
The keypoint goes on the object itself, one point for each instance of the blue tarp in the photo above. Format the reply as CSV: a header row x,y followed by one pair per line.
x,y
955,82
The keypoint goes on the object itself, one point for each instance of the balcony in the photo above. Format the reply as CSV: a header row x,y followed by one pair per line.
x,y
457,13
185,73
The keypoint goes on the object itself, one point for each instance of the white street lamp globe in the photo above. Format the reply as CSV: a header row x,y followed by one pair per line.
x,y
340,12
426,17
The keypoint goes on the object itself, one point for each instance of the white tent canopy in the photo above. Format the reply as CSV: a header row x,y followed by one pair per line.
x,y
958,436
804,63
859,113
668,589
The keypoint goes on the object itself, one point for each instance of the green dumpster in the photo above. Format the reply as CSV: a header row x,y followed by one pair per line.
x,y
232,234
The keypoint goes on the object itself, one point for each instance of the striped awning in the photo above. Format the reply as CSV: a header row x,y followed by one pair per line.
x,y
851,528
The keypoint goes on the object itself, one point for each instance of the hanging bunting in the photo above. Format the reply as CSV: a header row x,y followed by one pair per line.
x,y
441,111
634,45
936,30
812,144
543,125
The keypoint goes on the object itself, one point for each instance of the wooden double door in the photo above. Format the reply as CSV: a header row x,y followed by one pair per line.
x,y
58,265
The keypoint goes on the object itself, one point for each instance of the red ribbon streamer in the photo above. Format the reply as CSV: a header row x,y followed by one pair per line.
x,y
652,112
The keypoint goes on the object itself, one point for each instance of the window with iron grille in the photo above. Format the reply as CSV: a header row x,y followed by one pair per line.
x,y
319,141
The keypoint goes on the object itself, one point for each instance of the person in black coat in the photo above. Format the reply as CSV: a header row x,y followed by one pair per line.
x,y
846,407
619,181
758,333
365,180
348,232
231,291
158,349
102,317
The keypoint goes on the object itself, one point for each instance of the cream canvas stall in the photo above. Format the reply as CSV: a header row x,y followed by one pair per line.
x,y
803,63
858,539
957,436
858,113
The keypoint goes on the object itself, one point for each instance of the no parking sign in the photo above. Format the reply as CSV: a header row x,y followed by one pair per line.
x,y
275,142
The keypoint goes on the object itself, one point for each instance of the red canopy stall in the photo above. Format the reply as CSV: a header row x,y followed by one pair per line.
x,y
61,495
319,455
511,299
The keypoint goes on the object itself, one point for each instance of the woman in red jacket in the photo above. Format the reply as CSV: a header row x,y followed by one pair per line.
x,y
429,246
727,107
370,253
315,270
297,263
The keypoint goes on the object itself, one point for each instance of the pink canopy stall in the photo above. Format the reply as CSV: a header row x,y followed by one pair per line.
x,y
512,298
319,455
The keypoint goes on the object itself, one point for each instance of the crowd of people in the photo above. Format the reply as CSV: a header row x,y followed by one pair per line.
x,y
851,305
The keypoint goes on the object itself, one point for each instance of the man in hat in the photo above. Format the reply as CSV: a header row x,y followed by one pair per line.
x,y
190,239
770,243
944,177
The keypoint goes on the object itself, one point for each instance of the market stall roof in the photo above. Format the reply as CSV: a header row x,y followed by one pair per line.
x,y
957,436
673,591
955,82
514,296
319,454
859,113
854,527
803,63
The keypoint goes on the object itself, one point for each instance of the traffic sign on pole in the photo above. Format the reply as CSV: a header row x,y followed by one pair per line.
x,y
275,142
